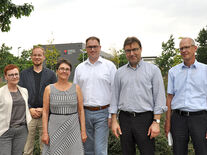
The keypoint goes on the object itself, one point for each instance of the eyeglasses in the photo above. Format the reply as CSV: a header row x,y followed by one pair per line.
x,y
92,47
37,55
185,47
131,50
62,69
12,75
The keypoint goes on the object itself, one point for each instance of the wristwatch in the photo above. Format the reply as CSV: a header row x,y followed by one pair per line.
x,y
156,120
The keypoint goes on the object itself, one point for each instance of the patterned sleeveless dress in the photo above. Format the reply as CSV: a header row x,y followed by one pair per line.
x,y
63,125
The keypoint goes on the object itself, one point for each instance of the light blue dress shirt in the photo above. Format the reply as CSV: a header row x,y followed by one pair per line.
x,y
138,90
189,87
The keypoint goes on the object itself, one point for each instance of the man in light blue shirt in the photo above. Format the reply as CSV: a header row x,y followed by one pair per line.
x,y
139,95
187,101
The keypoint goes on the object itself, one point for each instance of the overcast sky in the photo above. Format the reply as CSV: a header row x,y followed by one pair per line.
x,y
71,21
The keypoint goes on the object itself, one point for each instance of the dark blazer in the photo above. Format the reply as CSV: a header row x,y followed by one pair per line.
x,y
27,81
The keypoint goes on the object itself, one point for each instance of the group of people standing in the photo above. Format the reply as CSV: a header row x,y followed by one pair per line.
x,y
74,118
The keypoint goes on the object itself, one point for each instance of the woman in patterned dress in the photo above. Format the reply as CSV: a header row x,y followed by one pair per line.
x,y
63,115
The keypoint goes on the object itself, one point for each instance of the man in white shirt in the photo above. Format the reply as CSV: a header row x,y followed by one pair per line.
x,y
95,76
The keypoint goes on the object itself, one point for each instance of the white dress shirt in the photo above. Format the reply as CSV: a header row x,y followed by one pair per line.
x,y
96,81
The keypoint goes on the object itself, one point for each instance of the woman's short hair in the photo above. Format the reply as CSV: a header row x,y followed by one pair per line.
x,y
61,61
9,67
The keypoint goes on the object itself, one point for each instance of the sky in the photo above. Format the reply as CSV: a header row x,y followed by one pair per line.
x,y
72,21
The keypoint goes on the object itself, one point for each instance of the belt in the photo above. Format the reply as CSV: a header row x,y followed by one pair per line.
x,y
17,125
63,114
96,108
186,113
134,114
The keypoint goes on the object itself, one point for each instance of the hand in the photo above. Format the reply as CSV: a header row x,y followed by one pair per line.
x,y
45,138
39,111
116,129
35,112
109,122
154,130
83,136
167,127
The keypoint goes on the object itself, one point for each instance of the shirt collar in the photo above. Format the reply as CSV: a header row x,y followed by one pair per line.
x,y
138,65
195,65
100,60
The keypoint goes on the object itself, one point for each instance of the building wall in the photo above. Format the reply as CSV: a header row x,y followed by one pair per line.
x,y
69,51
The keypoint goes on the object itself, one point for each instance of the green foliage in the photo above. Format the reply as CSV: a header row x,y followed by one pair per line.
x,y
25,60
6,57
115,58
122,58
51,55
114,146
119,58
83,56
9,9
169,57
202,48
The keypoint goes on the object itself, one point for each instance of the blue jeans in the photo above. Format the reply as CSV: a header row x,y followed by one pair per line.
x,y
13,140
97,131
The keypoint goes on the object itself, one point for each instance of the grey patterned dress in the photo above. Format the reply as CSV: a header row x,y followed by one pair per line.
x,y
63,126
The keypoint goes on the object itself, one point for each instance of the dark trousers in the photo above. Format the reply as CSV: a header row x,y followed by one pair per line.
x,y
183,127
134,131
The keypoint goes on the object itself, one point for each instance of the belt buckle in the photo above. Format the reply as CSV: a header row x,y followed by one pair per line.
x,y
134,114
187,113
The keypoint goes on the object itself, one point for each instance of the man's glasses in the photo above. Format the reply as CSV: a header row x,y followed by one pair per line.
x,y
62,69
185,47
12,75
131,50
92,47
37,55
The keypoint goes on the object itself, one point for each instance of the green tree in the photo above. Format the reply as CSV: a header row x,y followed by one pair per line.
x,y
25,60
202,47
83,56
51,55
9,9
6,57
115,58
122,58
119,58
169,57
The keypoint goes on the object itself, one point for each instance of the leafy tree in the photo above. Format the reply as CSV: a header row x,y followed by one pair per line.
x,y
202,48
9,9
6,57
83,56
115,58
122,58
25,60
168,58
119,58
51,55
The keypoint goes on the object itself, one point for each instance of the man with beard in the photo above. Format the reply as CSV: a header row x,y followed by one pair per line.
x,y
140,96
35,79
